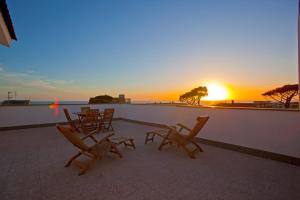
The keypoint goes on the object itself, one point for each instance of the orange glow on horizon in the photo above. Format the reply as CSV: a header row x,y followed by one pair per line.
x,y
216,92
236,92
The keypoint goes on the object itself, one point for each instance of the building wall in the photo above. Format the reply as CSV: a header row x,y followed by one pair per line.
x,y
275,131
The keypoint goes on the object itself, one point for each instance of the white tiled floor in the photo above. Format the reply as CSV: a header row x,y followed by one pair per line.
x,y
32,163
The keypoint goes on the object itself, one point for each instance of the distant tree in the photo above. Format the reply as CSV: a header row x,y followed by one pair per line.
x,y
194,96
284,94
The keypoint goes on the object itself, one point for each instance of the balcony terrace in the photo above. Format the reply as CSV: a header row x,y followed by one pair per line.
x,y
32,159
32,168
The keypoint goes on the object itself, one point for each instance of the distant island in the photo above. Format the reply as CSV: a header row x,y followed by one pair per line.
x,y
106,99
15,102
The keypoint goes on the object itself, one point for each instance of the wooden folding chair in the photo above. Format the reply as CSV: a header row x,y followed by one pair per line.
x,y
172,135
94,152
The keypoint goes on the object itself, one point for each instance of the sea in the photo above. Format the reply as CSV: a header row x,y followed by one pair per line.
x,y
86,102
60,102
205,103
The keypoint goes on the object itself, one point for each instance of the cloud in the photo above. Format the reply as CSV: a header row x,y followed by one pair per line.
x,y
11,74
64,82
15,74
30,79
39,84
30,71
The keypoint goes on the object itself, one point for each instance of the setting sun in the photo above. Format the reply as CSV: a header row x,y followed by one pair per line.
x,y
216,92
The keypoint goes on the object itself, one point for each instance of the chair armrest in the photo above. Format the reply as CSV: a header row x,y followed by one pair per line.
x,y
172,130
183,127
175,135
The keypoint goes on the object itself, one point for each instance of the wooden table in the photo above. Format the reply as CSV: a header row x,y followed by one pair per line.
x,y
82,115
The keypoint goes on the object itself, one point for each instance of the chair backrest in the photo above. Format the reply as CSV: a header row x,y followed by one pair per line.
x,y
71,135
94,111
92,115
84,109
108,114
70,121
67,115
201,121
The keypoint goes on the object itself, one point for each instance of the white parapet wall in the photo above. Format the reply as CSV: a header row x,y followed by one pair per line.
x,y
28,115
274,131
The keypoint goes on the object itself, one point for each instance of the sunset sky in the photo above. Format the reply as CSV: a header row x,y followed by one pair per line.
x,y
149,50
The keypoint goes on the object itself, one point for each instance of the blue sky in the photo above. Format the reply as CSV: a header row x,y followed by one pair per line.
x,y
148,49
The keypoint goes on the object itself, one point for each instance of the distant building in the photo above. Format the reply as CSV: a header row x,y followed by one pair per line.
x,y
263,104
233,104
14,102
294,105
259,104
122,98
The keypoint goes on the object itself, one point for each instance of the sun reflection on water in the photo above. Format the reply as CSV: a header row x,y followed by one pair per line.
x,y
55,107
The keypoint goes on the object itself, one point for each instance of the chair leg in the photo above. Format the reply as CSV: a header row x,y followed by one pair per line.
x,y
87,166
146,138
108,127
131,143
149,137
189,152
114,149
198,147
163,143
72,159
111,127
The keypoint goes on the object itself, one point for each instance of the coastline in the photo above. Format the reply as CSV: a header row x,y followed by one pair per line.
x,y
162,104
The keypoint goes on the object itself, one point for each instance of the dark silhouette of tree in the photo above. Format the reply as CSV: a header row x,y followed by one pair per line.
x,y
284,94
194,96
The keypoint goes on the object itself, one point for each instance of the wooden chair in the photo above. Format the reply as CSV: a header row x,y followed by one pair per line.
x,y
173,135
94,152
75,124
107,119
91,122
84,109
